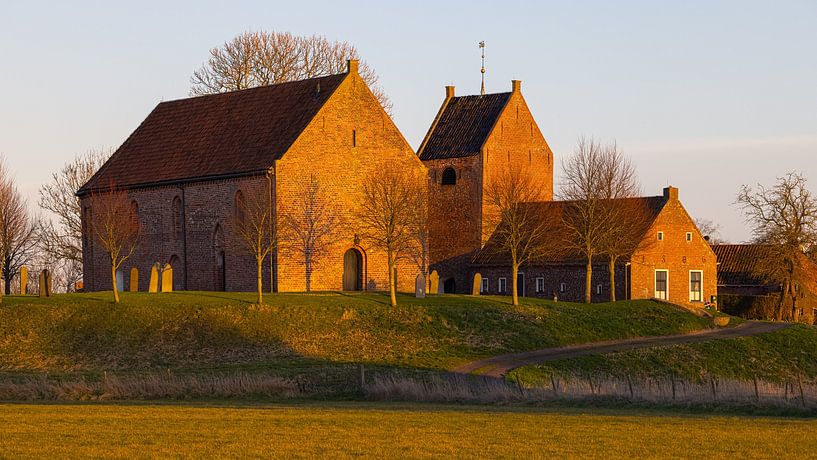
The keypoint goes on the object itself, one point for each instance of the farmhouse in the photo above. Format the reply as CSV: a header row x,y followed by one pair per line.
x,y
673,261
192,161
750,288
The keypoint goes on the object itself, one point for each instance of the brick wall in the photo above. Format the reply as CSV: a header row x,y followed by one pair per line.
x,y
174,217
553,276
675,254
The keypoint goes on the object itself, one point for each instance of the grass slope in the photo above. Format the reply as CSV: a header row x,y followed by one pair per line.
x,y
200,330
776,357
389,431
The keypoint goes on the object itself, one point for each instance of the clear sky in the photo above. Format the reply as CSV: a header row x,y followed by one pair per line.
x,y
702,95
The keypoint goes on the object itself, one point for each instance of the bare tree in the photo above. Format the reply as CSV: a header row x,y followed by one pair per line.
x,y
519,230
61,234
18,240
307,226
254,59
594,176
710,230
627,223
252,224
114,223
784,217
390,215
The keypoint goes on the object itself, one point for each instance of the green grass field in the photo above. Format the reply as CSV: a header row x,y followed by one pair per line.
x,y
201,330
389,431
775,357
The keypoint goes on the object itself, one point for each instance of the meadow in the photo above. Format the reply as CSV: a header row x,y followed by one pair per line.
x,y
344,430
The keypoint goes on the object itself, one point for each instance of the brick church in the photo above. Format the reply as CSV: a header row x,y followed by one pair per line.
x,y
190,161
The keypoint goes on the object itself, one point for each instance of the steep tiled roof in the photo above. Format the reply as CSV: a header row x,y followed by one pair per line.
x,y
553,212
463,126
218,135
738,264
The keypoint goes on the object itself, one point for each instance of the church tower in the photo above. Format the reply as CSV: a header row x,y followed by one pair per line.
x,y
471,138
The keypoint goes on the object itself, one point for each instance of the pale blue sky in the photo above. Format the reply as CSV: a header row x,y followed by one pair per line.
x,y
702,95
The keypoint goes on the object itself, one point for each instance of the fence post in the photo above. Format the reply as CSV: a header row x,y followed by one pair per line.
x,y
672,379
630,384
757,392
361,374
714,391
800,384
553,384
786,393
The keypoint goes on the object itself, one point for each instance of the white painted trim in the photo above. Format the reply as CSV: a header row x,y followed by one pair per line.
x,y
502,280
655,282
689,286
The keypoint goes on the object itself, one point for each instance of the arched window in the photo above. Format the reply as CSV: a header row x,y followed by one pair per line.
x,y
134,212
240,206
449,176
177,217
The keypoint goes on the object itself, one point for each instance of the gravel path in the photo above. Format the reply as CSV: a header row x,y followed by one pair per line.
x,y
498,366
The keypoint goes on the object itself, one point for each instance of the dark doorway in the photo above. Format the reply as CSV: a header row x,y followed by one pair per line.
x,y
449,286
520,284
352,270
221,272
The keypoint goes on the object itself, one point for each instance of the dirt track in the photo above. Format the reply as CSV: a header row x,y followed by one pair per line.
x,y
498,366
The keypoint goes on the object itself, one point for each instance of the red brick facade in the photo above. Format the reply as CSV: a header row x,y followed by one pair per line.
x,y
188,224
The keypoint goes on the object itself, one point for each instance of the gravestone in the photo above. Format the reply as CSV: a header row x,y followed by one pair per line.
x,y
477,286
42,284
47,282
420,287
167,278
154,279
120,281
23,280
134,279
434,281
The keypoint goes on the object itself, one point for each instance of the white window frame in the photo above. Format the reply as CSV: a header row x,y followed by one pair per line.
x,y
485,286
562,288
655,283
660,236
701,292
540,285
598,289
502,285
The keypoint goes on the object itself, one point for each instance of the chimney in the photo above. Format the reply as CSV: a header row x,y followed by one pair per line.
x,y
352,65
449,92
516,85
670,193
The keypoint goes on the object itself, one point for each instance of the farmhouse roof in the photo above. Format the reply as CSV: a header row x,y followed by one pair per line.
x,y
553,212
220,135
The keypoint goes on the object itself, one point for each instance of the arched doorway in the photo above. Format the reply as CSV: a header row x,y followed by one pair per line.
x,y
352,270
449,286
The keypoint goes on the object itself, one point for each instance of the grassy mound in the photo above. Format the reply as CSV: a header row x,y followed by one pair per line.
x,y
201,330
782,356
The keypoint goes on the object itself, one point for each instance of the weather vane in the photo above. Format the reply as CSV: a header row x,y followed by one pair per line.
x,y
482,70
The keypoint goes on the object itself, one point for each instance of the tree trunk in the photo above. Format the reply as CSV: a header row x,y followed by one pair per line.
x,y
392,287
778,310
308,270
259,263
7,285
113,282
588,281
612,268
514,287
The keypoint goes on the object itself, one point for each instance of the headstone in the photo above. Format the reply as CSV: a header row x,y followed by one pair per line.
x,y
47,282
42,284
154,279
477,286
420,287
23,280
134,279
120,281
167,278
434,281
